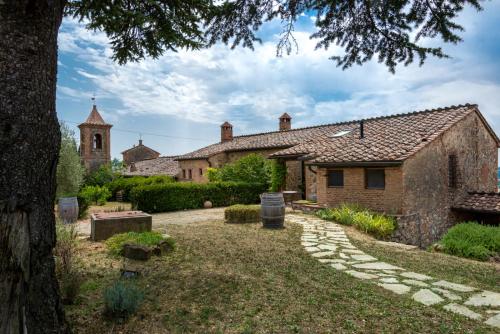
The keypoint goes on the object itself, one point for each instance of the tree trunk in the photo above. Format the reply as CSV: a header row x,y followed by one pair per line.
x,y
29,145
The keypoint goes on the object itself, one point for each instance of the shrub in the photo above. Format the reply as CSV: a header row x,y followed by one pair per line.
x,y
150,239
95,194
122,299
240,213
472,240
278,176
180,196
83,205
377,225
126,184
65,252
253,168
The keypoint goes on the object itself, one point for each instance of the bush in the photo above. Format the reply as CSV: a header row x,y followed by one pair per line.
x,y
472,240
278,176
126,184
377,225
240,213
181,196
122,299
65,252
95,194
253,168
83,205
150,239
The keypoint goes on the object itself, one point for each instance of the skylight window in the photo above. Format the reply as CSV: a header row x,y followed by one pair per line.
x,y
341,133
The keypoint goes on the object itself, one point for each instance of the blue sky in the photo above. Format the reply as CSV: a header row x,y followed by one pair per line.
x,y
185,96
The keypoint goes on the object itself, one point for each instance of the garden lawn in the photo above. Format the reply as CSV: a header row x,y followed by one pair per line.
x,y
227,278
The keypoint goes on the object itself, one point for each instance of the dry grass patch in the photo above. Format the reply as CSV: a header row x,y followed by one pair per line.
x,y
246,279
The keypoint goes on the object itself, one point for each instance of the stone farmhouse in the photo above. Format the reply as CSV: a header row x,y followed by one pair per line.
x,y
429,168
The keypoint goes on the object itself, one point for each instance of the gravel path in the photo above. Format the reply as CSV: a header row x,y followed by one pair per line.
x,y
162,220
327,242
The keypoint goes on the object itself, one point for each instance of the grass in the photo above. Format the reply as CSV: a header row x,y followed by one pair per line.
x,y
242,278
472,240
455,269
116,242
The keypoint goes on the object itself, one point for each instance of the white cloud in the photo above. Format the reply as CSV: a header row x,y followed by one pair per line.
x,y
218,84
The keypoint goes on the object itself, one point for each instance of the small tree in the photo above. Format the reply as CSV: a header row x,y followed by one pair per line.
x,y
69,169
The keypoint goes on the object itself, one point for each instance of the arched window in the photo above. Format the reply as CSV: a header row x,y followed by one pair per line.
x,y
97,142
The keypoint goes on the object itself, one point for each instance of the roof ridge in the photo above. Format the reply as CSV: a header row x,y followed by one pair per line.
x,y
365,119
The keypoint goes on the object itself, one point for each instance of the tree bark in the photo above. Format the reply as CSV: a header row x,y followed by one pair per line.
x,y
29,145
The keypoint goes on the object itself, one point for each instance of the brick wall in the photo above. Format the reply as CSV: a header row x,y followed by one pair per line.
x,y
92,158
426,175
387,200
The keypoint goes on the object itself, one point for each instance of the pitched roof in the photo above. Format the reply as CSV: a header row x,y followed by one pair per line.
x,y
480,202
158,166
142,147
285,115
95,118
387,138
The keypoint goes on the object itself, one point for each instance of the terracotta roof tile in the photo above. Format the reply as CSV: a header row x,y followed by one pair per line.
x,y
95,118
159,166
387,138
480,202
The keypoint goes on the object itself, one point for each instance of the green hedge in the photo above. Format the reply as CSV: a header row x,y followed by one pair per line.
x,y
472,240
240,214
180,196
126,184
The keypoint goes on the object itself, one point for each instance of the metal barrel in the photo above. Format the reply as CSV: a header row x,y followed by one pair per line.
x,y
68,209
272,210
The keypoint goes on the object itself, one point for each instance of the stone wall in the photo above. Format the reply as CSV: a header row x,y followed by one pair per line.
x,y
387,200
426,175
294,175
408,230
198,170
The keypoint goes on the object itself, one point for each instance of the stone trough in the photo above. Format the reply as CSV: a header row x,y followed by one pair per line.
x,y
106,224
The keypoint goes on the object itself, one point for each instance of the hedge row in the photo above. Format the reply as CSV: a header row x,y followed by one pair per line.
x,y
240,214
180,196
472,240
126,184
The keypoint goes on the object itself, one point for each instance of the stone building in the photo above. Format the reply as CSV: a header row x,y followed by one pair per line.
x,y
95,141
420,167
139,153
156,166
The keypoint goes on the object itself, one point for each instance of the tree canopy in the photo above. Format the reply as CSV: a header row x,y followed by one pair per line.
x,y
393,31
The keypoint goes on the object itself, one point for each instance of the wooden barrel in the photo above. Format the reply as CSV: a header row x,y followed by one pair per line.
x,y
272,210
68,209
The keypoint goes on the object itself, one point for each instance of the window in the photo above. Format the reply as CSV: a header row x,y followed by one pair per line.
x,y
375,178
336,178
183,173
97,142
201,171
452,171
190,173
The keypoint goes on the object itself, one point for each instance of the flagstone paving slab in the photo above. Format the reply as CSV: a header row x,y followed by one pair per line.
x,y
427,297
400,289
322,239
454,286
484,298
462,310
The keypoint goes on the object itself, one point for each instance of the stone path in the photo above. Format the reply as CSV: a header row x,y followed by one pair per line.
x,y
327,242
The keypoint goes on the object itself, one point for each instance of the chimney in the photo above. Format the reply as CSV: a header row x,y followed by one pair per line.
x,y
226,132
285,122
361,129
140,142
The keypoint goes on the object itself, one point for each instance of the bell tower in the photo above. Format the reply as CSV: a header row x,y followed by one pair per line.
x,y
95,141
